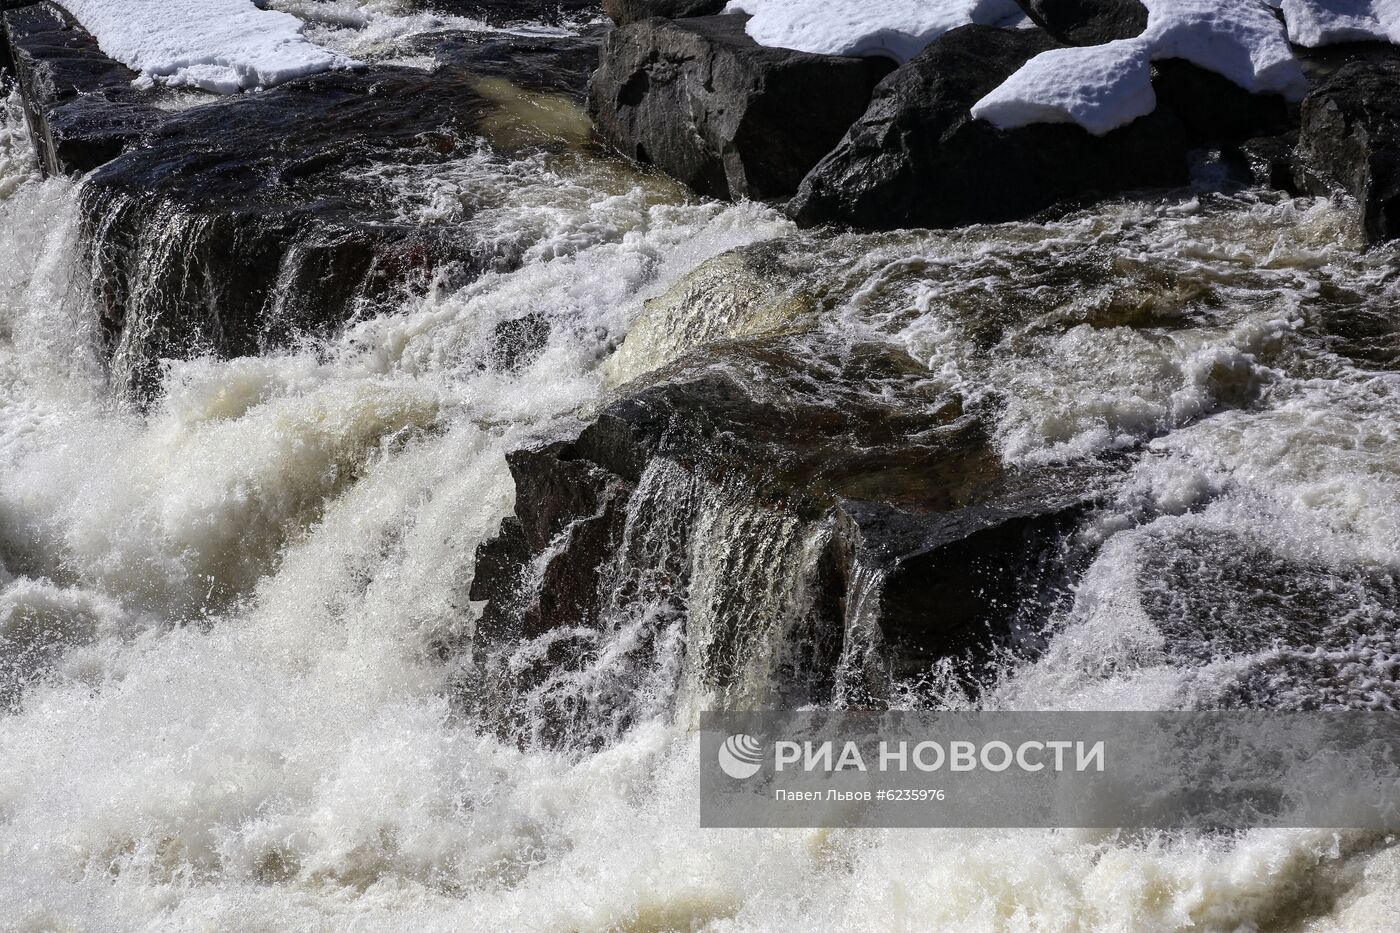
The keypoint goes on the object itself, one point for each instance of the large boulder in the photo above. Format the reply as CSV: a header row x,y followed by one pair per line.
x,y
703,102
623,12
1088,22
811,500
81,107
917,157
1214,109
248,223
1349,141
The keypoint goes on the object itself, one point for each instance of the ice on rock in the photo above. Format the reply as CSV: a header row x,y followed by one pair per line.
x,y
1107,86
897,29
1314,23
224,46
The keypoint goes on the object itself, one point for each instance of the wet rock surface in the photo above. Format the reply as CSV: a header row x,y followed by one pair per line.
x,y
1349,141
556,64
232,225
917,158
81,107
623,12
925,541
1283,633
268,233
1088,22
755,290
1213,109
1268,161
703,102
247,223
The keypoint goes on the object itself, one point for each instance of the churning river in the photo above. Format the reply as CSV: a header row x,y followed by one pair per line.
x,y
224,703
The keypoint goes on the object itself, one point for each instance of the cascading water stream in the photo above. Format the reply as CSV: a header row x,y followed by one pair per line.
x,y
237,624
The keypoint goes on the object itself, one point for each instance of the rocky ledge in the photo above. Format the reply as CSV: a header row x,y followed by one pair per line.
x,y
233,225
80,104
764,478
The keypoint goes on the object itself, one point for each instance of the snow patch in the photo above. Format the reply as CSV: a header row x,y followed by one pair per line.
x,y
1099,92
1240,39
1107,86
897,29
223,46
1314,23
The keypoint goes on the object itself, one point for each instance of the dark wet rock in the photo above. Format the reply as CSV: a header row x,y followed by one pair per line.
x,y
1321,63
5,7
237,225
7,63
1353,324
762,289
545,64
1088,22
917,158
80,104
1283,633
555,496
247,223
623,12
920,541
703,102
518,342
1268,161
951,584
1214,109
1349,142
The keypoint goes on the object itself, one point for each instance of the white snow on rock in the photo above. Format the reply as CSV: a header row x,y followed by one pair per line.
x,y
897,29
222,46
1314,23
1099,92
1239,39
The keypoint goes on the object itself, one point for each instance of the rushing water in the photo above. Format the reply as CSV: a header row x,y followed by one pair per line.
x,y
220,619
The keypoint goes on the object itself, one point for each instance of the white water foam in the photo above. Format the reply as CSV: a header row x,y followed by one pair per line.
x,y
240,719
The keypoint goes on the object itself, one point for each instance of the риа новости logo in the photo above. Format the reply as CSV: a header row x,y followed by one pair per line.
x,y
740,756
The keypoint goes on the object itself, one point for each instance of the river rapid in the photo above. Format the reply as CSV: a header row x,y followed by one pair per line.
x,y
224,700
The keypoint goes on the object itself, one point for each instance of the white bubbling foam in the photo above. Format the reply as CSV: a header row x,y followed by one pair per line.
x,y
285,757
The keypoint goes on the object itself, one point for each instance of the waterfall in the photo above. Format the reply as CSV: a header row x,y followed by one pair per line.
x,y
243,679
